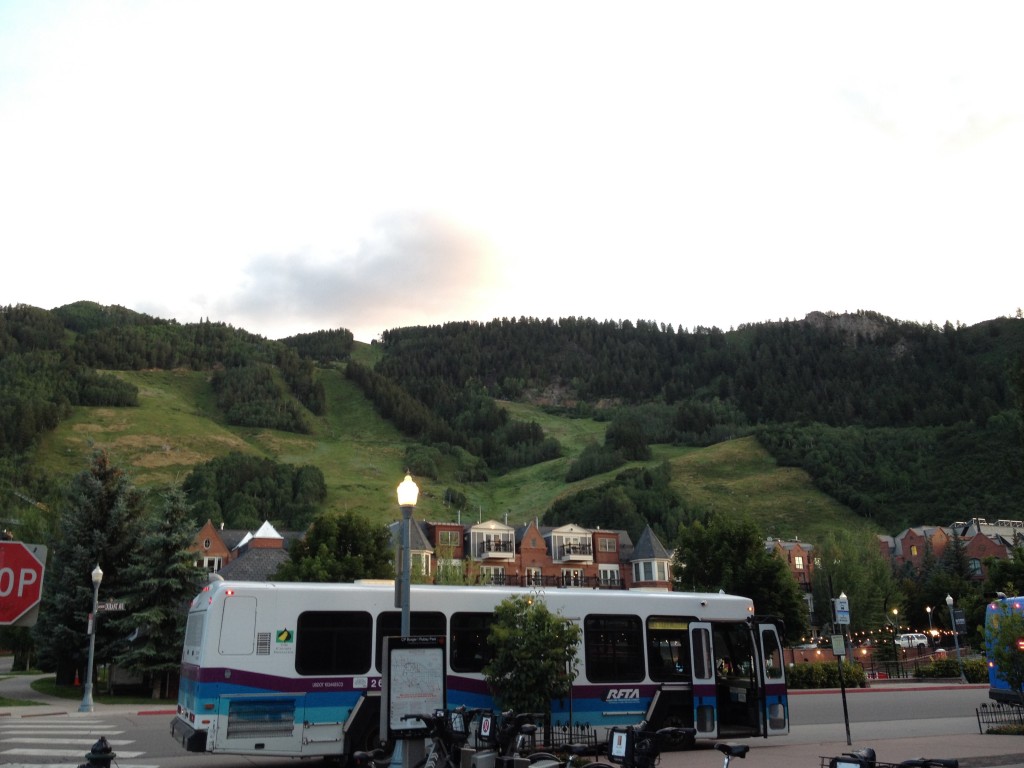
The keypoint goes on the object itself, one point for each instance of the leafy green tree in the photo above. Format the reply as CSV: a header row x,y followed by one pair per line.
x,y
1003,638
1006,576
534,655
101,524
448,570
730,554
340,547
163,578
851,563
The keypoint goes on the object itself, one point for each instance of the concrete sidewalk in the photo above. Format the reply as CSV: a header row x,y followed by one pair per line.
x,y
973,751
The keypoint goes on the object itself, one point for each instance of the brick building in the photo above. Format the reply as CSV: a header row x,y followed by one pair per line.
x,y
492,552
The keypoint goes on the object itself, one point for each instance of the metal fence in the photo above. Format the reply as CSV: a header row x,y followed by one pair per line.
x,y
998,713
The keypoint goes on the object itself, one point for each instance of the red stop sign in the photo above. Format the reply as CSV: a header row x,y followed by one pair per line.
x,y
21,579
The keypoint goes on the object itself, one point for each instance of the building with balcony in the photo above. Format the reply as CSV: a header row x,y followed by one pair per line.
x,y
530,555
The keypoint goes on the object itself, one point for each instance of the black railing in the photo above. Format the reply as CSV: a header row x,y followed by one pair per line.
x,y
495,545
568,550
593,582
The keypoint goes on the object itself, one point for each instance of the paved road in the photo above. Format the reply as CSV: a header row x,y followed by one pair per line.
x,y
901,722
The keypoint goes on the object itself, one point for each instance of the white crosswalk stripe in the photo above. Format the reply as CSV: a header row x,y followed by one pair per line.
x,y
61,743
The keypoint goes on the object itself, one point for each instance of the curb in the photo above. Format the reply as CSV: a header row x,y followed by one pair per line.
x,y
893,688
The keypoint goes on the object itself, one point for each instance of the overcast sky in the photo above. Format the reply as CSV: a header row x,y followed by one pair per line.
x,y
292,166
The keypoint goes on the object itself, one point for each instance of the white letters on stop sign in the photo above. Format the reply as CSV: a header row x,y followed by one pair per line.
x,y
26,577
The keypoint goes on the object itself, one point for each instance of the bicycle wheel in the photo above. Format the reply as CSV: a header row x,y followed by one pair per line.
x,y
434,759
543,757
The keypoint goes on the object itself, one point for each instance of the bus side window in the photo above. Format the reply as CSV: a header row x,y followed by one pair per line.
x,y
772,655
613,648
389,624
668,648
333,642
468,649
702,664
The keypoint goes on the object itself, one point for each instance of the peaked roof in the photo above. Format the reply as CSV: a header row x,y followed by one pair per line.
x,y
649,547
267,531
419,541
255,565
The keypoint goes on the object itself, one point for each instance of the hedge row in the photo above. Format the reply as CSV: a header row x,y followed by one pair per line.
x,y
825,674
975,670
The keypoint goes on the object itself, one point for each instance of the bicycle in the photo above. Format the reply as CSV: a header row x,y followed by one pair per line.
x,y
731,750
637,747
865,758
501,736
513,737
447,731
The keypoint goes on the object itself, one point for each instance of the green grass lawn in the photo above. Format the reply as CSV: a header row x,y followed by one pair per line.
x,y
361,455
49,687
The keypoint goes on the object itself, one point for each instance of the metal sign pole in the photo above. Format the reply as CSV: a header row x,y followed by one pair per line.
x,y
842,619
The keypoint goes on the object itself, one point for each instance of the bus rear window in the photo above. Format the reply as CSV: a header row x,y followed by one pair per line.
x,y
333,643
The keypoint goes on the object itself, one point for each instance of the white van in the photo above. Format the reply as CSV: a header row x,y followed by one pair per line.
x,y
913,640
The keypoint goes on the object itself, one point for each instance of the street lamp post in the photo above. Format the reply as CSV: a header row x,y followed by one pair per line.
x,y
956,638
928,610
408,492
895,623
97,577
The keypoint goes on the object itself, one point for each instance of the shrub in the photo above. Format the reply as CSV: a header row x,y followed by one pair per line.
x,y
975,670
825,674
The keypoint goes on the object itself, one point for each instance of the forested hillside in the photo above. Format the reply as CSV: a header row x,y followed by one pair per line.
x,y
903,423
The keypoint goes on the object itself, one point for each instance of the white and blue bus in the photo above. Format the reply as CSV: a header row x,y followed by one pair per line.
x,y
998,688
295,669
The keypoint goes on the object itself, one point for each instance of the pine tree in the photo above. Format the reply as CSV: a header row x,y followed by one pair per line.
x,y
99,525
164,580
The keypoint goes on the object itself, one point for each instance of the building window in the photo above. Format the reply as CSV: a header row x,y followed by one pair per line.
x,y
489,544
572,577
974,566
420,562
913,550
209,564
448,539
609,575
606,544
569,546
798,562
534,577
492,574
645,571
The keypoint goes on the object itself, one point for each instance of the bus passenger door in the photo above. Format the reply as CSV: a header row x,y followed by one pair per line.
x,y
772,676
705,696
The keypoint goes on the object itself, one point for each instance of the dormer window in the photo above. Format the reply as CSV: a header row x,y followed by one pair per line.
x,y
492,540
